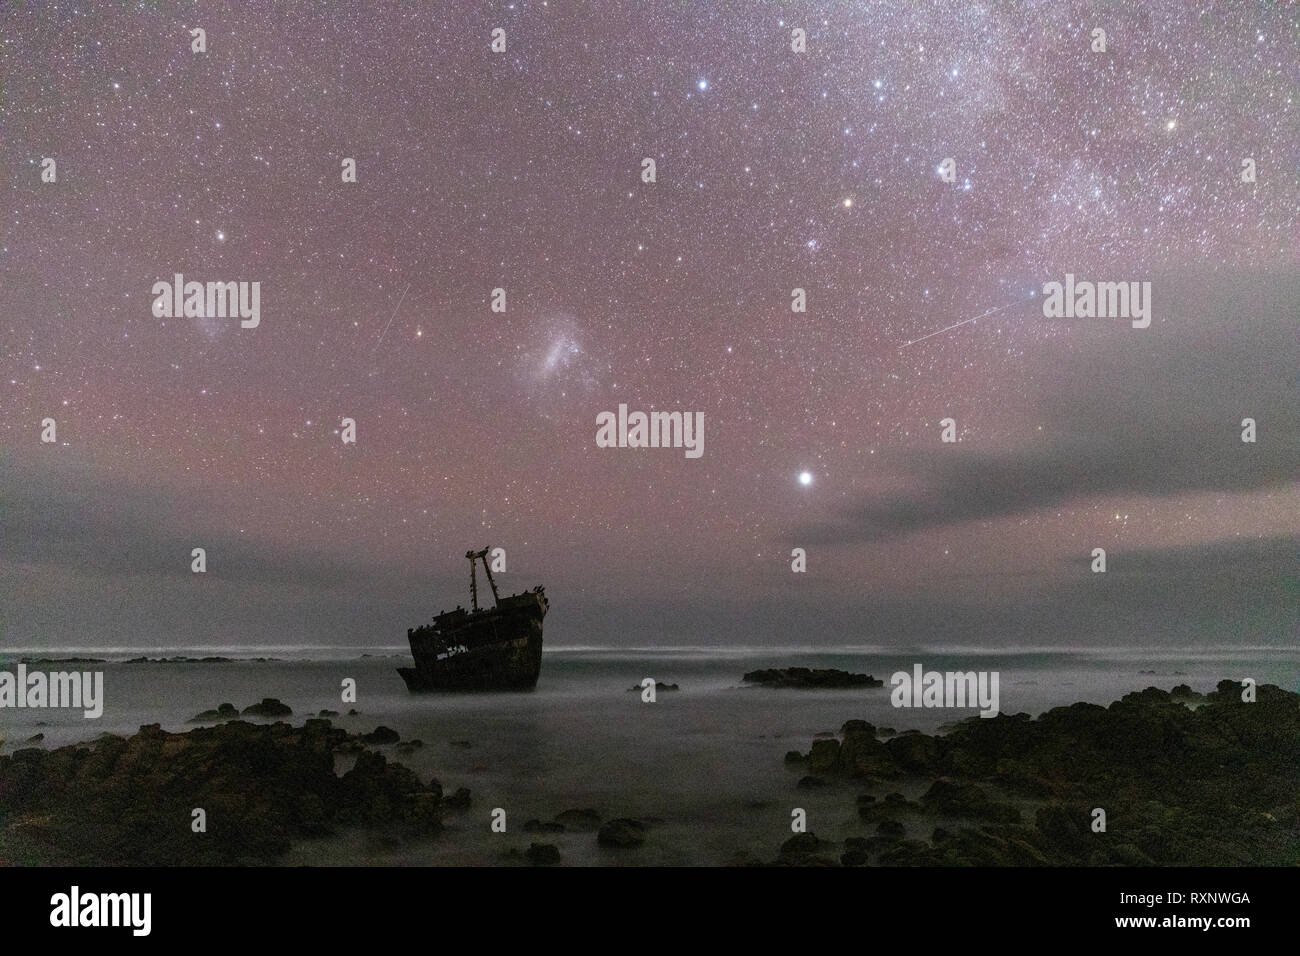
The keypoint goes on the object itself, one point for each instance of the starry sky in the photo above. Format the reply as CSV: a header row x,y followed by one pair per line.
x,y
775,170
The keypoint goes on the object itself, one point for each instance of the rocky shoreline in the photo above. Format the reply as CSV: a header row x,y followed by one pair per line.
x,y
1182,779
261,787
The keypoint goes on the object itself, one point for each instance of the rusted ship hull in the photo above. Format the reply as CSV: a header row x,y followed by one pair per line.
x,y
497,649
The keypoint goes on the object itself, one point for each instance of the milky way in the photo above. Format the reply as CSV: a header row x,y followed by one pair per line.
x,y
775,170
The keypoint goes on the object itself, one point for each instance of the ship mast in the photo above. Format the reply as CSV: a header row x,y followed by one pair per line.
x,y
473,579
475,556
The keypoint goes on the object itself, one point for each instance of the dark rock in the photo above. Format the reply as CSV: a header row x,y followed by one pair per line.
x,y
871,810
795,757
1227,692
824,756
34,739
622,833
805,678
581,820
914,752
537,826
269,707
966,800
862,755
381,735
1212,784
810,783
119,801
909,853
223,712
542,854
802,843
459,800
1151,695
891,828
328,713
660,687
805,849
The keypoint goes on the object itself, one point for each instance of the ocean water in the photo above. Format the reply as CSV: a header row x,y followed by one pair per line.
x,y
706,762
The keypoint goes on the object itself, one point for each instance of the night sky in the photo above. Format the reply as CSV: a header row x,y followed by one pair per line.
x,y
775,170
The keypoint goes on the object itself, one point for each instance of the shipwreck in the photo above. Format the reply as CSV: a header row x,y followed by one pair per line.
x,y
496,648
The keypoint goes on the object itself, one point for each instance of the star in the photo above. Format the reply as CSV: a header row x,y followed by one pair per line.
x,y
521,172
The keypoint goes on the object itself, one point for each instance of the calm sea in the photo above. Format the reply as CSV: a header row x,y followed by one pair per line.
x,y
705,760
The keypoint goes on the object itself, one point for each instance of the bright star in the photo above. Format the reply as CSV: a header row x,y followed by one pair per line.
x,y
703,84
805,478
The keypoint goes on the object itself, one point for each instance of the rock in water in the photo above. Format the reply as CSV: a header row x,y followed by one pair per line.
x,y
224,712
540,826
269,707
542,854
460,800
622,833
585,819
116,801
824,755
1167,769
803,678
